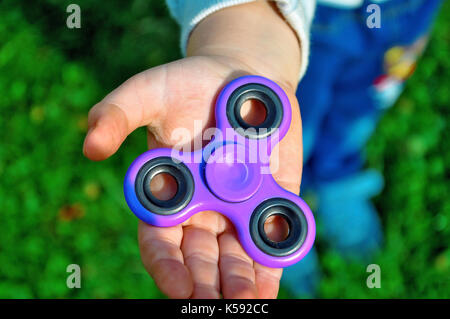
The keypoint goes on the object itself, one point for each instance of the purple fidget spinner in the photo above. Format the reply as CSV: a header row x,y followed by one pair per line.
x,y
230,175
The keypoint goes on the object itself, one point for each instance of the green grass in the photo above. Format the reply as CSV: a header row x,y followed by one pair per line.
x,y
59,208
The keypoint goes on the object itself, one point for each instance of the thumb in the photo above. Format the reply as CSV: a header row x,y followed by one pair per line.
x,y
137,102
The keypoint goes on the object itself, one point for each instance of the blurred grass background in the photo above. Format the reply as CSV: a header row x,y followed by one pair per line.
x,y
58,208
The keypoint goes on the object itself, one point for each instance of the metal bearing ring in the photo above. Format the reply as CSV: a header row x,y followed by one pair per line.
x,y
183,177
271,102
298,227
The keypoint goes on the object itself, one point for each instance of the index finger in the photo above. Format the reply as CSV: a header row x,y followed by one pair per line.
x,y
163,259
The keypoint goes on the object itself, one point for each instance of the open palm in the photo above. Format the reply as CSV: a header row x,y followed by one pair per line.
x,y
201,258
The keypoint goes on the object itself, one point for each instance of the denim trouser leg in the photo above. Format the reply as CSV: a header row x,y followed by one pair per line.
x,y
339,96
354,74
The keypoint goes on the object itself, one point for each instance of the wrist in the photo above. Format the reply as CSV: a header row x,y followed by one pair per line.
x,y
255,36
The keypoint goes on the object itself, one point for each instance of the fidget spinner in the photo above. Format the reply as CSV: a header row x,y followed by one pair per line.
x,y
230,175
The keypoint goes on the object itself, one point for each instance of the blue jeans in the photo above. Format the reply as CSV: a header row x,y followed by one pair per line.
x,y
354,74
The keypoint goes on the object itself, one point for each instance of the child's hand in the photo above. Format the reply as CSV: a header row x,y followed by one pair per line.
x,y
201,258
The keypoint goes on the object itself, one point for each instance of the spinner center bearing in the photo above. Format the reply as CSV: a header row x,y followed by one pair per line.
x,y
230,175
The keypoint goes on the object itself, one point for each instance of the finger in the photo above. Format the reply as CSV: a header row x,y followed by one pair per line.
x,y
201,254
137,102
237,275
163,260
267,281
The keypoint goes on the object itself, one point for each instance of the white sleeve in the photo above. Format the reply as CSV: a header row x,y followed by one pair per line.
x,y
298,13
